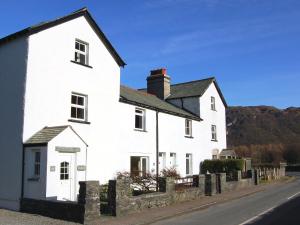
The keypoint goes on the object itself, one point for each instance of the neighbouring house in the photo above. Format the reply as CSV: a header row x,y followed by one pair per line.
x,y
66,118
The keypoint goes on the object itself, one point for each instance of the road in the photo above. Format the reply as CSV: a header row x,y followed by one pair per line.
x,y
277,205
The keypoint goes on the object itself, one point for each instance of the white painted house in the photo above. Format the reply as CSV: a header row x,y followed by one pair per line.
x,y
65,117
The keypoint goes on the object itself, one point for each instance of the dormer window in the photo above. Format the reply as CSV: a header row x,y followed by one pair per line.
x,y
213,103
81,52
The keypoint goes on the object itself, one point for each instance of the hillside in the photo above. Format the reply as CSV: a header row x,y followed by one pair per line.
x,y
265,133
262,125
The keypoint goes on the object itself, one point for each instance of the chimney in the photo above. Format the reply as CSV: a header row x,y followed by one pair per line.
x,y
158,83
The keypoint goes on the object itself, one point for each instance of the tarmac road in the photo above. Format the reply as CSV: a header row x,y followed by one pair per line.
x,y
278,205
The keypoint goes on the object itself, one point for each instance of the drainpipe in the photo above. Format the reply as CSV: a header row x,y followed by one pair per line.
x,y
157,151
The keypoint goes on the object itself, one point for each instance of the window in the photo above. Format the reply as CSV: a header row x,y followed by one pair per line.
x,y
162,160
213,132
213,103
79,107
188,164
188,127
172,159
139,119
37,163
139,165
64,171
81,52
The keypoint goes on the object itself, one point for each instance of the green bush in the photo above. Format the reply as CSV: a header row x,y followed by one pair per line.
x,y
222,165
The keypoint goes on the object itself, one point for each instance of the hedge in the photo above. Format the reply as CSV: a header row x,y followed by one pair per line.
x,y
222,165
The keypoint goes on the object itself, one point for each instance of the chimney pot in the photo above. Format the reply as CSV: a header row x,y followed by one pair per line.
x,y
161,71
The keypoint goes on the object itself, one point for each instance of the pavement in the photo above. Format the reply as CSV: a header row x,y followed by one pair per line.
x,y
172,214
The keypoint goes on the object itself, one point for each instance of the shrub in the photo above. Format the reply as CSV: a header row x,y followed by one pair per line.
x,y
170,172
222,166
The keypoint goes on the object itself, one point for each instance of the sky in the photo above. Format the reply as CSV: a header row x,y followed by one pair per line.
x,y
252,47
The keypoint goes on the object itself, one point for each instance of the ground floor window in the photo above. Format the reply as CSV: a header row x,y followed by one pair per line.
x,y
139,165
188,164
172,159
162,160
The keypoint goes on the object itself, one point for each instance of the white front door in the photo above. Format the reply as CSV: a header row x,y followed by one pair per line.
x,y
162,160
66,177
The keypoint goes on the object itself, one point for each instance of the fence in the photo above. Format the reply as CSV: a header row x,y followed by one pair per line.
x,y
183,183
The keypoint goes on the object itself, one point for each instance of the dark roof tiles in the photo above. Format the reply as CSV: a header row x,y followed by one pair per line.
x,y
146,100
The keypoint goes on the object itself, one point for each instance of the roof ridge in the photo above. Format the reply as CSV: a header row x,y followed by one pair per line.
x,y
194,81
138,91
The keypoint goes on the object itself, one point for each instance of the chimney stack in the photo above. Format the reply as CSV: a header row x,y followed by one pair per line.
x,y
158,83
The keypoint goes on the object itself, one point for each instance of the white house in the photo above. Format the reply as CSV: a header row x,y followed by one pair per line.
x,y
65,117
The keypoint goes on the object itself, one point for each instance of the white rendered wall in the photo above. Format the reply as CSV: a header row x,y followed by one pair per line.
x,y
66,139
13,59
51,78
211,117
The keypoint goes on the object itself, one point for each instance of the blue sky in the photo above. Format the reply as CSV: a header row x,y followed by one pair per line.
x,y
252,47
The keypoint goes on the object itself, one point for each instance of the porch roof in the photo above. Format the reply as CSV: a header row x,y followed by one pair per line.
x,y
45,135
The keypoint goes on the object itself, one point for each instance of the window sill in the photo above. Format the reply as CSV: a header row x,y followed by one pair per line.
x,y
214,140
214,110
140,130
34,179
78,121
81,64
188,136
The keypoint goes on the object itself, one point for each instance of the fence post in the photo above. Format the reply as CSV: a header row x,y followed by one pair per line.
x,y
202,183
222,182
210,184
256,176
170,185
238,175
89,196
282,169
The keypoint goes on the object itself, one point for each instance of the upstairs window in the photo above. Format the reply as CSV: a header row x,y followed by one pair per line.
x,y
213,132
188,127
37,163
81,52
213,103
139,119
79,107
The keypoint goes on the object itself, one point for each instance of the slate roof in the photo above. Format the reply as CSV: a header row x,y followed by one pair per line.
x,y
45,135
45,25
227,152
146,100
194,89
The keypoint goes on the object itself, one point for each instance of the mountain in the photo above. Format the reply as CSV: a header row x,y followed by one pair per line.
x,y
264,133
262,125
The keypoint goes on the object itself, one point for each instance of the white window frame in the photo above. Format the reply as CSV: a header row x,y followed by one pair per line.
x,y
65,175
85,53
213,103
188,128
141,113
173,158
77,106
189,165
213,132
37,163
